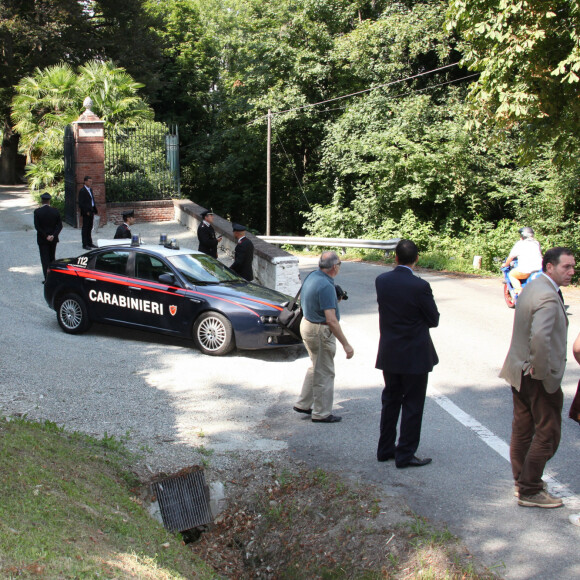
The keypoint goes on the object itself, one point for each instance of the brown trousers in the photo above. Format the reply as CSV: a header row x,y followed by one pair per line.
x,y
536,429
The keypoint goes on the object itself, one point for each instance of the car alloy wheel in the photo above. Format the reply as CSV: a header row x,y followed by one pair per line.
x,y
72,314
213,334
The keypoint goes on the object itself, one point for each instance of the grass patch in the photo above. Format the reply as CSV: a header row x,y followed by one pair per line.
x,y
433,260
69,508
447,263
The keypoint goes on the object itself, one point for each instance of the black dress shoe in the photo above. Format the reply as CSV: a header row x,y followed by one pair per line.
x,y
329,419
93,247
87,248
386,457
299,410
415,462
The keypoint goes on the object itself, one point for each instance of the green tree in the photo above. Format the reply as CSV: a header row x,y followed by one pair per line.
x,y
187,68
52,98
41,33
528,57
272,56
33,33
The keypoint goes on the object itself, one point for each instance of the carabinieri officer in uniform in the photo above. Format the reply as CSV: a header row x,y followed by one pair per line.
x,y
244,253
208,241
48,225
123,231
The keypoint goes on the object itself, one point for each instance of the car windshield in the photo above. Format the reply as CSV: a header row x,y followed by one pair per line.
x,y
202,269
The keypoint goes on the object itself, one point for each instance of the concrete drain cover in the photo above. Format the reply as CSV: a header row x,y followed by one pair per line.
x,y
183,499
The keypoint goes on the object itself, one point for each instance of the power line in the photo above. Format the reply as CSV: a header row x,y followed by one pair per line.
x,y
433,86
293,171
359,92
342,108
398,96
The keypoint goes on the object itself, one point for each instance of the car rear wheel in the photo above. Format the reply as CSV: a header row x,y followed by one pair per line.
x,y
213,334
72,314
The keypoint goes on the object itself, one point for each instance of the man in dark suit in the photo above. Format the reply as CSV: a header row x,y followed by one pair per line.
x,y
406,355
124,230
208,241
244,253
534,368
48,225
88,209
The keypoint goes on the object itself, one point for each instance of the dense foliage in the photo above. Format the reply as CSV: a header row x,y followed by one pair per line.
x,y
528,53
453,123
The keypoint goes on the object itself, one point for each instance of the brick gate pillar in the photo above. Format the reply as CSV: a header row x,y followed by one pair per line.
x,y
89,135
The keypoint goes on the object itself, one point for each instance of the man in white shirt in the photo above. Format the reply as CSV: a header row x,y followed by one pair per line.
x,y
88,209
529,256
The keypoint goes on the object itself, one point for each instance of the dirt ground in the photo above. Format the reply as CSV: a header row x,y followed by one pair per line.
x,y
284,521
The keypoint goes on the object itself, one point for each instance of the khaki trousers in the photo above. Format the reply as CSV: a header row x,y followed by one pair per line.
x,y
318,387
515,276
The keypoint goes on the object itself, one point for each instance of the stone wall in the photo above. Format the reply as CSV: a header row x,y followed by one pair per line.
x,y
273,267
145,211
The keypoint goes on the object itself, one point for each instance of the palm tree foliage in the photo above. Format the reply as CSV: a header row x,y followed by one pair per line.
x,y
46,102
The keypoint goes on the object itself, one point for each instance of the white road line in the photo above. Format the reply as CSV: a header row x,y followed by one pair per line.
x,y
499,446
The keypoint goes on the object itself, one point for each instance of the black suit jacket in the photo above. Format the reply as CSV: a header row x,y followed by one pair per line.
x,y
243,258
406,312
47,222
87,204
208,241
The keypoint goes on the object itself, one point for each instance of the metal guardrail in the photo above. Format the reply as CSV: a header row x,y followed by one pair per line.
x,y
386,245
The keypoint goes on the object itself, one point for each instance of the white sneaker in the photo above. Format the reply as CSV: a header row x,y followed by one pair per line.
x,y
574,519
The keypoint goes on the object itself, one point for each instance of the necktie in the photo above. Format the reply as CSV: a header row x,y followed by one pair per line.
x,y
560,295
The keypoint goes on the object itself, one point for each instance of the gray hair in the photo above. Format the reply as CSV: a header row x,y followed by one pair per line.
x,y
328,260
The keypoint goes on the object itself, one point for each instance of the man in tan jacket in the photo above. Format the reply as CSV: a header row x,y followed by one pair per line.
x,y
534,368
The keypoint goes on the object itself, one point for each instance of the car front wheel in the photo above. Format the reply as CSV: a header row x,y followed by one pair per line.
x,y
72,314
213,334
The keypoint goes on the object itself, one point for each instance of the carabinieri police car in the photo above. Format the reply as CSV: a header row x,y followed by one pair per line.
x,y
173,291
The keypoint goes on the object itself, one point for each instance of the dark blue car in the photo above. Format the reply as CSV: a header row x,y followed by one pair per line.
x,y
178,292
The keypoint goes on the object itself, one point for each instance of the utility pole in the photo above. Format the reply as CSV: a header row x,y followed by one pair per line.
x,y
268,172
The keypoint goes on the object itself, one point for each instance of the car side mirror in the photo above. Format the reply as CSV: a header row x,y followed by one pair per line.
x,y
168,279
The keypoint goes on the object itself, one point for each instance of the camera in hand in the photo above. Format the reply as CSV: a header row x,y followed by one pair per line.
x,y
340,293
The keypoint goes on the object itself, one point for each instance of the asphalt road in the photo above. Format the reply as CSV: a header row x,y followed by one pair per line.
x,y
174,404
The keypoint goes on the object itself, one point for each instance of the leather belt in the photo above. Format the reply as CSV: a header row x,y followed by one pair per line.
x,y
325,323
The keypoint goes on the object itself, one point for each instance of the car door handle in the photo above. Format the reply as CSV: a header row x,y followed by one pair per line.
x,y
195,300
134,288
91,279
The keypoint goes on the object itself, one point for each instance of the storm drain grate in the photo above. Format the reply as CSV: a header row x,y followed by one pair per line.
x,y
183,500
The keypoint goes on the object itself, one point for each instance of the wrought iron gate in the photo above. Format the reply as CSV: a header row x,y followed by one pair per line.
x,y
70,194
142,163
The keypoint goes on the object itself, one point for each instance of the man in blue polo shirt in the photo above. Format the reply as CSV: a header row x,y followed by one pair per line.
x,y
320,327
